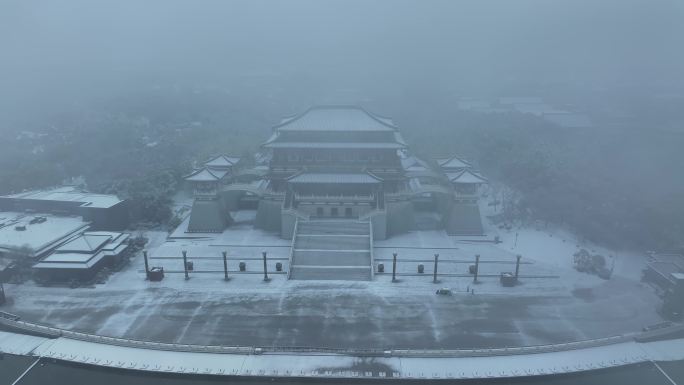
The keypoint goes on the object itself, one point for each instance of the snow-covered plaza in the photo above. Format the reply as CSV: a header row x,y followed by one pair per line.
x,y
553,303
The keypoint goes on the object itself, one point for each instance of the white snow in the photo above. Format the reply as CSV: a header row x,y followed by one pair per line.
x,y
463,364
19,344
70,194
37,236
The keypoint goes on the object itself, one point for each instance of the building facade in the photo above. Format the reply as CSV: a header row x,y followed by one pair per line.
x,y
334,163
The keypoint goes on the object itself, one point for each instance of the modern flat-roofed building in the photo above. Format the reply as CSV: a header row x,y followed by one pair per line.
x,y
24,238
34,236
103,211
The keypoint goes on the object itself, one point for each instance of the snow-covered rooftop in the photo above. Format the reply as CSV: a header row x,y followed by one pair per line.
x,y
222,161
453,163
388,145
360,178
466,177
67,258
205,175
38,236
336,118
70,194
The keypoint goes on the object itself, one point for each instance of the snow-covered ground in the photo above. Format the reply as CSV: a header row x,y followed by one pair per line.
x,y
553,303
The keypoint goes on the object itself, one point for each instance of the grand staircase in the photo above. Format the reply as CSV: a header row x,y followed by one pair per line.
x,y
334,249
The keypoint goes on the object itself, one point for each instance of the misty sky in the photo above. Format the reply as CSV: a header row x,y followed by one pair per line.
x,y
55,48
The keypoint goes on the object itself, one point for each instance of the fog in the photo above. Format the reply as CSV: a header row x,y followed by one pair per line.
x,y
238,66
56,52
422,184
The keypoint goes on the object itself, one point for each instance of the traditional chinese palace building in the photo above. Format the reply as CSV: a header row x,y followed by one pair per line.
x,y
336,170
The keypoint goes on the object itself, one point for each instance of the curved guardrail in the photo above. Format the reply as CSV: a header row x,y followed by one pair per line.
x,y
13,322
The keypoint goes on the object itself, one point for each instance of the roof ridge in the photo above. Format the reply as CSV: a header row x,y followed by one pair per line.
x,y
378,118
371,115
201,170
194,172
471,172
87,242
293,118
225,157
455,157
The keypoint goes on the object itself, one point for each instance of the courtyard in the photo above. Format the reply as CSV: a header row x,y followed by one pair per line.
x,y
552,304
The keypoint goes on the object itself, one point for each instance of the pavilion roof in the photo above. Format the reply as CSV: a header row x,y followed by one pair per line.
x,y
222,161
454,162
205,175
466,177
85,251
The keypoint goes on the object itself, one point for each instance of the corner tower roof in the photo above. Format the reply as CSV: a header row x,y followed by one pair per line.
x,y
205,175
467,177
222,161
453,162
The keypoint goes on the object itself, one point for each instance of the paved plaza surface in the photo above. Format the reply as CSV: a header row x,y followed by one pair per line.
x,y
329,315
559,305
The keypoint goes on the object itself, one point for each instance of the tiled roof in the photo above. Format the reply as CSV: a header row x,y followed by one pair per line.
x,y
84,244
222,161
466,177
336,118
205,175
85,251
356,178
388,145
454,162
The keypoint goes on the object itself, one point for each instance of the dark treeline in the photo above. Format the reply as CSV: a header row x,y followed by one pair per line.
x,y
615,186
137,147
